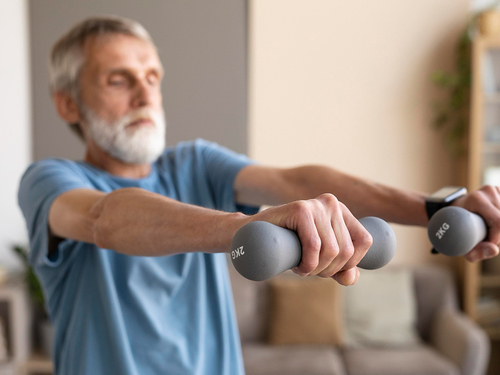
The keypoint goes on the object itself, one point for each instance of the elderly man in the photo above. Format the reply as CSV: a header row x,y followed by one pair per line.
x,y
129,243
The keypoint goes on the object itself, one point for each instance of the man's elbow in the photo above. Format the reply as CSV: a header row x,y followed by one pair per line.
x,y
107,215
99,223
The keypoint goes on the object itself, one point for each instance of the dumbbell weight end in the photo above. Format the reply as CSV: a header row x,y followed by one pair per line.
x,y
454,231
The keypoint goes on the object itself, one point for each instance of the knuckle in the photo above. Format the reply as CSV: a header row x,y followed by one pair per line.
x,y
309,265
330,247
488,190
366,241
301,208
314,244
334,251
475,200
311,253
479,195
329,199
346,253
328,255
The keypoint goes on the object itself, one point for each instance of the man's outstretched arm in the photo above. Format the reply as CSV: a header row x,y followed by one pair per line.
x,y
257,184
134,221
280,185
137,222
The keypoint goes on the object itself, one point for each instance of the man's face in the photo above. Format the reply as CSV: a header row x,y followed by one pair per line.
x,y
120,97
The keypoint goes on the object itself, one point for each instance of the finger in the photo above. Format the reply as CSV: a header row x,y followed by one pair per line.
x,y
491,215
311,247
486,203
347,277
482,251
345,247
496,196
494,235
493,194
330,239
360,237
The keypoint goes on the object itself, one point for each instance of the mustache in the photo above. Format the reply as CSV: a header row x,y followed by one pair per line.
x,y
139,114
157,117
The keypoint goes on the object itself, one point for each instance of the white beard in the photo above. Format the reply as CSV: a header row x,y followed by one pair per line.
x,y
135,146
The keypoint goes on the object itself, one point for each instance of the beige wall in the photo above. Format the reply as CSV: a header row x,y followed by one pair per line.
x,y
347,84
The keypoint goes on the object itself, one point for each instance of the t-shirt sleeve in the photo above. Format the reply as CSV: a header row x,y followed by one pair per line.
x,y
222,166
43,182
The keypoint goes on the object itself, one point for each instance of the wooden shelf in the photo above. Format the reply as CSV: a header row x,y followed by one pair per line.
x,y
493,332
490,281
479,152
39,363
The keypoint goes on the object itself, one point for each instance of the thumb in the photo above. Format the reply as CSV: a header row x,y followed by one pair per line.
x,y
482,251
347,277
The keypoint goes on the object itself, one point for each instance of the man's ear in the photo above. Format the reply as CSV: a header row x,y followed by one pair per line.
x,y
66,107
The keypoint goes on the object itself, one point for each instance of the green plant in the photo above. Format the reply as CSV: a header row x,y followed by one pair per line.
x,y
34,286
452,113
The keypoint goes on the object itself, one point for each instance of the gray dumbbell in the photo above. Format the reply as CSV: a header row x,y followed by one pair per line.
x,y
261,250
454,231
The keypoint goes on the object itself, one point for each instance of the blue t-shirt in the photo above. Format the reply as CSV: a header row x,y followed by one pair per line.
x,y
134,315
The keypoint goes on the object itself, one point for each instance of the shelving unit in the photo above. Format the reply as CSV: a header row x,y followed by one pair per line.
x,y
482,281
490,281
38,364
15,313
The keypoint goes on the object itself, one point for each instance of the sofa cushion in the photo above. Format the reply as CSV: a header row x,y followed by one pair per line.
x,y
251,303
435,289
304,311
262,359
380,309
418,360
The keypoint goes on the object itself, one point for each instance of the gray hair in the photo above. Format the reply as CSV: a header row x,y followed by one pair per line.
x,y
67,59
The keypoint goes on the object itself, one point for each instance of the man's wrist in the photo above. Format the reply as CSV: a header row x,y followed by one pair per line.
x,y
443,198
233,221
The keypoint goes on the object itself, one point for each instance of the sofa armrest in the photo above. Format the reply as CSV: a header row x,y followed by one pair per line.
x,y
460,339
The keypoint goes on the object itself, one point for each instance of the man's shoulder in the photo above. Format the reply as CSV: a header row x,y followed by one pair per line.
x,y
47,178
49,162
52,165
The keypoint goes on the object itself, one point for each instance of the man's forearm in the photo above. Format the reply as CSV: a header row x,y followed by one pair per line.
x,y
137,222
362,197
272,186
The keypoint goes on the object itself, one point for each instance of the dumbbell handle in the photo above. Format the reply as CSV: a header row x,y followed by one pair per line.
x,y
455,231
261,250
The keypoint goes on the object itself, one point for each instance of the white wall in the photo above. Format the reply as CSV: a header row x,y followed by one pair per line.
x,y
478,5
15,107
347,84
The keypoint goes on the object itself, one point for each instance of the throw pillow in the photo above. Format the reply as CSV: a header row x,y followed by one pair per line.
x,y
304,311
380,309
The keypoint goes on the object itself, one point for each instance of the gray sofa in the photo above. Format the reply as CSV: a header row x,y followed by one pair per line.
x,y
452,343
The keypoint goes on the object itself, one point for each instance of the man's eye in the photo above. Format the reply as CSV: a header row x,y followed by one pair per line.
x,y
153,79
117,82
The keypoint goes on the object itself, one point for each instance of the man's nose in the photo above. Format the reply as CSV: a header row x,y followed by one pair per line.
x,y
143,94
